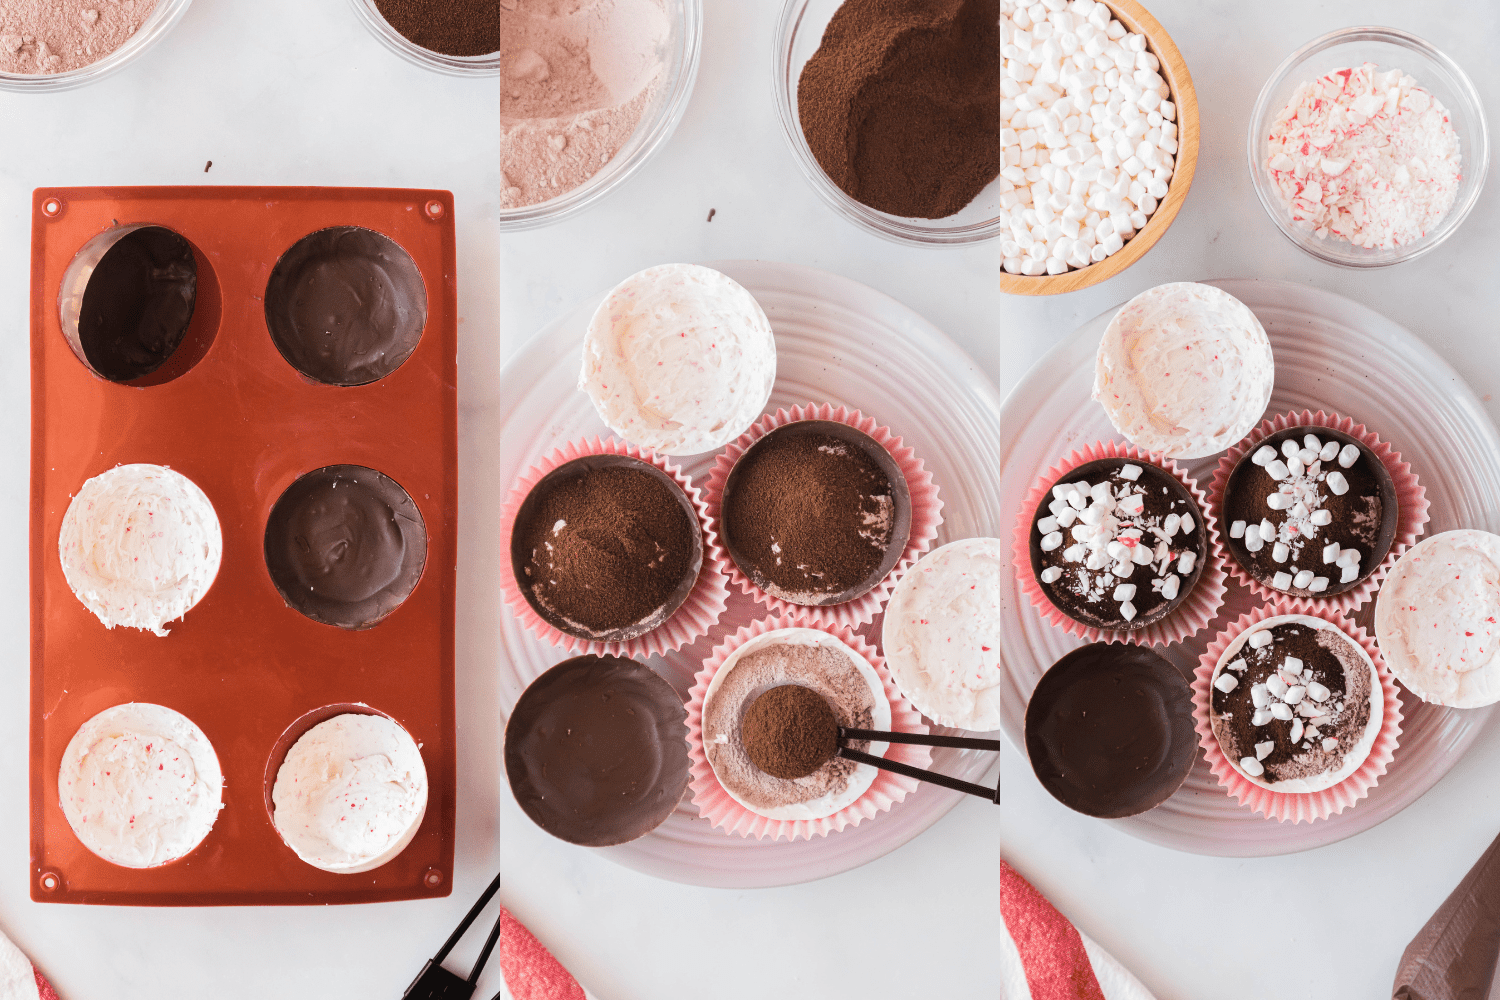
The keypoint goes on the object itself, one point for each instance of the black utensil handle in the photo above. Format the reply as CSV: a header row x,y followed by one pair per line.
x,y
921,739
895,767
474,910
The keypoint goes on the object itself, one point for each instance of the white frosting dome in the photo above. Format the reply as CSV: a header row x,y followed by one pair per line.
x,y
679,358
1184,369
942,634
140,545
140,785
351,793
1437,619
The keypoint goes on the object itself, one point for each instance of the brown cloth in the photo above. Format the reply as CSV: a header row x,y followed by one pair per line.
x,y
1453,956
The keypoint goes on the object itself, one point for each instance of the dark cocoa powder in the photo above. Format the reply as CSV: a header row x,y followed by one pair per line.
x,y
451,27
901,103
811,515
607,547
789,731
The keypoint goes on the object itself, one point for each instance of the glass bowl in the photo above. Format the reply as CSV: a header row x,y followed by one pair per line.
x,y
799,32
1388,48
679,56
162,19
370,16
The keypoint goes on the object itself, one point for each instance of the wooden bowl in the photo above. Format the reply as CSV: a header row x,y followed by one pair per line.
x,y
1136,19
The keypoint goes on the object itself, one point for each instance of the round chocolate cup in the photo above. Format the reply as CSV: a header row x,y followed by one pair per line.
x,y
1109,730
127,302
900,496
346,306
389,517
1374,470
596,750
528,511
1156,614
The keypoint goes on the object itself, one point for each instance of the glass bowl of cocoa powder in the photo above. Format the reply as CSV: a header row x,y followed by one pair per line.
x,y
588,94
56,47
463,39
927,170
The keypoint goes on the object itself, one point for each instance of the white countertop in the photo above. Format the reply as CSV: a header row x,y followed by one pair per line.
x,y
296,92
1330,923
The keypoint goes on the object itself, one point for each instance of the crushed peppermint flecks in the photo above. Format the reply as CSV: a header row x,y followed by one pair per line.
x,y
1365,156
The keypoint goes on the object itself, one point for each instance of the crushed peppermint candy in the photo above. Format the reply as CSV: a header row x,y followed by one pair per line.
x,y
1365,156
1118,544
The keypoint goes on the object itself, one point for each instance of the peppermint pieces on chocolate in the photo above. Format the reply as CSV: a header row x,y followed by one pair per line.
x,y
1119,544
1366,156
1311,512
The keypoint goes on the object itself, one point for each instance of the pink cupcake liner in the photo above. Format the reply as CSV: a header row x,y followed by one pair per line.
x,y
719,808
926,513
1297,807
1190,617
698,613
1411,501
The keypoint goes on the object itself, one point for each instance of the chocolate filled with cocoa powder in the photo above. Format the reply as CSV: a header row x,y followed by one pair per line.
x,y
816,513
1109,730
596,750
789,731
606,547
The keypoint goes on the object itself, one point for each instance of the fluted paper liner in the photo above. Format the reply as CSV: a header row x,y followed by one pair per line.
x,y
926,512
1189,617
699,612
1411,503
1297,807
719,808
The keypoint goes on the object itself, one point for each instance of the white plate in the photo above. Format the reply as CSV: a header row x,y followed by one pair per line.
x,y
1331,354
839,342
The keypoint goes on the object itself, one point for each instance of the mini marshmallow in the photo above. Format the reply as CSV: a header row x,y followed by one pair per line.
x,y
1261,717
1253,540
1047,525
1237,529
1292,665
1186,561
1294,694
1130,472
1348,455
1289,448
1349,574
1331,552
1188,524
1296,733
1281,711
1329,452
1278,501
1277,469
1127,611
1261,638
1169,587
1124,592
1321,518
1226,682
1133,505
1170,524
1330,744
1310,442
1251,766
1281,581
1267,530
1051,541
1337,483
1263,454
1302,579
1279,552
1259,696
1263,750
1276,686
1316,691
1052,574
1236,664
1318,585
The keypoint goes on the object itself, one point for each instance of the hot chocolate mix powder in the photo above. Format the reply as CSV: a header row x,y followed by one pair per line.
x,y
57,36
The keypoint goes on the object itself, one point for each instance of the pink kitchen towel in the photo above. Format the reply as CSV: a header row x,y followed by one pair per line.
x,y
1044,957
531,973
18,980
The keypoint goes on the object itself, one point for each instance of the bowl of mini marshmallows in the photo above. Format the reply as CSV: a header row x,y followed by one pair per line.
x,y
1368,147
1098,136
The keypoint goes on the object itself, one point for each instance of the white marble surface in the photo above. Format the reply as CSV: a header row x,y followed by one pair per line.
x,y
1331,922
921,921
295,92
273,92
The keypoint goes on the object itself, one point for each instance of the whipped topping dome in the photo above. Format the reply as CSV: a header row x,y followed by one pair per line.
x,y
1184,369
140,545
1437,618
140,785
679,358
942,634
350,793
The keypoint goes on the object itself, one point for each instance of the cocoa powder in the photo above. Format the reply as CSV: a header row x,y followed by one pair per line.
x,y
901,103
789,732
607,547
810,516
451,27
